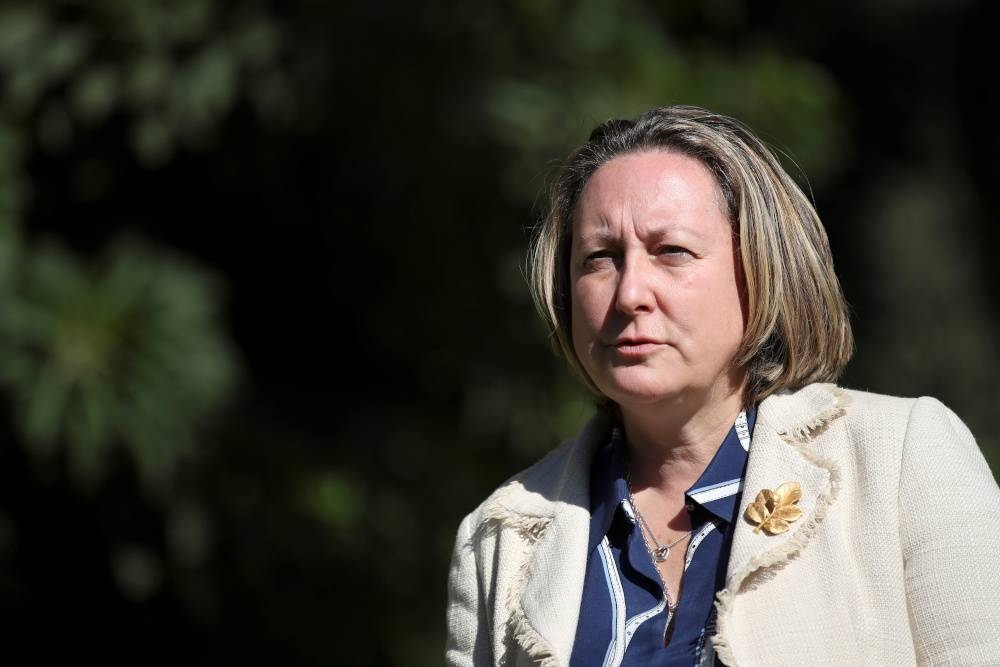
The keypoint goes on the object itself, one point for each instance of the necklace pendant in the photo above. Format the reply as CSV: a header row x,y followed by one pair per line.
x,y
660,554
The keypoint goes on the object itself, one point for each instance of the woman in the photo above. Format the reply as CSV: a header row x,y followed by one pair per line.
x,y
725,505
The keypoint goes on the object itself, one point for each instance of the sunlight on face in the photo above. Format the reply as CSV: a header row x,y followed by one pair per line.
x,y
657,312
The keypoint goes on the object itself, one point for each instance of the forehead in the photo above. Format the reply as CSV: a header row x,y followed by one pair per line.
x,y
648,186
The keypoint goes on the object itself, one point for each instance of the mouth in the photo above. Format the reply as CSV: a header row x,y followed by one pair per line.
x,y
636,347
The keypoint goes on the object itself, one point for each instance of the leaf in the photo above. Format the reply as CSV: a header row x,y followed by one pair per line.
x,y
787,493
765,498
772,511
775,526
787,512
757,512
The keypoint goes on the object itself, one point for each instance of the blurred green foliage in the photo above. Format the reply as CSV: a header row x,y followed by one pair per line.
x,y
572,65
127,352
253,456
130,351
171,71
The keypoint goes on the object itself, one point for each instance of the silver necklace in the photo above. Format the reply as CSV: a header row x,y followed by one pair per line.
x,y
662,551
659,554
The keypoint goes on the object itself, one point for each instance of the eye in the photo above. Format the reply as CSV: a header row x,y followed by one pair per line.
x,y
673,250
598,258
674,253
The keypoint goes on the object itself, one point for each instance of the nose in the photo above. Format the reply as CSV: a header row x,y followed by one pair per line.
x,y
635,292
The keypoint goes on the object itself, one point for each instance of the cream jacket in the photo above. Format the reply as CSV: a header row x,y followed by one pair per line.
x,y
895,561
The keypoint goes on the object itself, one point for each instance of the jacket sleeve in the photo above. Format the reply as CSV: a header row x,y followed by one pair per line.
x,y
468,642
949,515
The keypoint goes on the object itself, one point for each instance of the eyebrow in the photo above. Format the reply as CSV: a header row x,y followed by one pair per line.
x,y
599,236
605,236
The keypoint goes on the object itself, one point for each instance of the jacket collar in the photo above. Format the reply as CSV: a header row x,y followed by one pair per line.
x,y
779,454
549,507
782,450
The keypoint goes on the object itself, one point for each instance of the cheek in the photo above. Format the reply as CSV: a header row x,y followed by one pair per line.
x,y
709,307
730,315
578,316
586,315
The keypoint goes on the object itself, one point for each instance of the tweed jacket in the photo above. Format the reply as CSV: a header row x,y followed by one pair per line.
x,y
895,560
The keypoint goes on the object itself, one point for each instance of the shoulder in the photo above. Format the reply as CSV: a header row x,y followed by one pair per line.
x,y
818,404
890,436
872,407
913,420
870,424
560,478
799,413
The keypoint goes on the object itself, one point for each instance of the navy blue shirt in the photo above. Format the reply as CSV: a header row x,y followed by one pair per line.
x,y
623,615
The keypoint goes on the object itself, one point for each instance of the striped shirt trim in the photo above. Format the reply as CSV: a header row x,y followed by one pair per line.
x,y
696,540
623,630
707,494
616,649
743,430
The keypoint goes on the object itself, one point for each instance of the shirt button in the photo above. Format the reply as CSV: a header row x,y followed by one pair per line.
x,y
689,507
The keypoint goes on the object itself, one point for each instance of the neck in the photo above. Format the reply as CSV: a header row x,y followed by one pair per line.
x,y
672,442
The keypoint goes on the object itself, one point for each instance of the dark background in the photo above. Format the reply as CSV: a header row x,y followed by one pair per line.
x,y
265,336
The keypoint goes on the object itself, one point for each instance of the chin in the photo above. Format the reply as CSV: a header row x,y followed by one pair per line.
x,y
634,391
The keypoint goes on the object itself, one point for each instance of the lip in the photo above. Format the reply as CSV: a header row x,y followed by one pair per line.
x,y
636,348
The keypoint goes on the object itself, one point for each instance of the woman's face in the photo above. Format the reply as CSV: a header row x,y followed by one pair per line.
x,y
657,311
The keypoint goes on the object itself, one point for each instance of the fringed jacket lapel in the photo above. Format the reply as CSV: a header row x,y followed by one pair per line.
x,y
780,452
551,514
544,623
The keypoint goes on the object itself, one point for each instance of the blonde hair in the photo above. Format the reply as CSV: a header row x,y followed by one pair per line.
x,y
798,329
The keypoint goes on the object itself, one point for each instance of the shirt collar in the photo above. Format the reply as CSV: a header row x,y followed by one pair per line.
x,y
608,488
717,489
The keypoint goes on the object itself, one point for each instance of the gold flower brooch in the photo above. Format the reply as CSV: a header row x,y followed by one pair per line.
x,y
774,510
